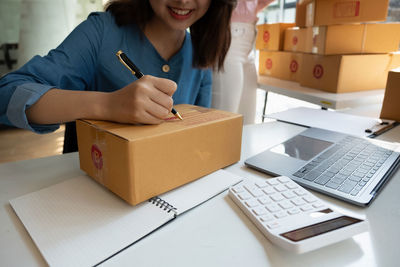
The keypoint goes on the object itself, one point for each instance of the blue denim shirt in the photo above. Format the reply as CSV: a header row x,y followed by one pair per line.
x,y
86,60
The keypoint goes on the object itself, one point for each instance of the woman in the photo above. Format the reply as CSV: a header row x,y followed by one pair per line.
x,y
82,78
235,88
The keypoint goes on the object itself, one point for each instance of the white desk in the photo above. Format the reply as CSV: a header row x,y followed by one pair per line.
x,y
318,97
215,233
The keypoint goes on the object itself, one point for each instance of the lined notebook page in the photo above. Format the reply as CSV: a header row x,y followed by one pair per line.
x,y
80,223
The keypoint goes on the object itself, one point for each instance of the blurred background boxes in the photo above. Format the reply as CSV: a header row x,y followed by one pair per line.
x,y
390,108
271,36
337,46
353,39
347,73
329,12
280,64
295,39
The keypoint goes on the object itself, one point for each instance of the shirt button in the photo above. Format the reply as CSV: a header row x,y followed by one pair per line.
x,y
165,68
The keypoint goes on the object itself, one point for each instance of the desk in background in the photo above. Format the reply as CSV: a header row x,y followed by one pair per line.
x,y
216,233
324,99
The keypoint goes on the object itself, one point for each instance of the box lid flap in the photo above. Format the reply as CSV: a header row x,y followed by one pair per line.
x,y
193,116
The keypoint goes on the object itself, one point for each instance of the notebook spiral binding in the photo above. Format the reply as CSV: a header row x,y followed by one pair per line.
x,y
162,204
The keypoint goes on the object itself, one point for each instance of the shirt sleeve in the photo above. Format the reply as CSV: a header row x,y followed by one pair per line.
x,y
70,66
204,97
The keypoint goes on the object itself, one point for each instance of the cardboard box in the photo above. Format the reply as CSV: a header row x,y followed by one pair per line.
x,y
301,11
138,162
390,107
271,36
347,73
295,39
353,39
329,12
280,64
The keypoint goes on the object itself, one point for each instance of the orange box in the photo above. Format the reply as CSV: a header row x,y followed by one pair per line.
x,y
390,107
271,36
347,73
295,39
329,12
353,39
280,64
301,11
138,162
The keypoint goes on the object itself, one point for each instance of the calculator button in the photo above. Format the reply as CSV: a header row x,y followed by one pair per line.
x,y
238,189
269,190
244,196
300,192
273,208
318,205
298,201
250,187
293,211
280,188
259,211
280,214
288,195
285,204
273,225
291,185
256,193
264,200
252,203
283,179
267,218
272,182
277,197
261,184
306,208
309,199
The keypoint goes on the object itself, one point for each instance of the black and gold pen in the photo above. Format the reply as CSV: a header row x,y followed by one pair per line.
x,y
135,71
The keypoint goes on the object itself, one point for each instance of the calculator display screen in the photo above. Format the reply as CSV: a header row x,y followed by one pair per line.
x,y
319,228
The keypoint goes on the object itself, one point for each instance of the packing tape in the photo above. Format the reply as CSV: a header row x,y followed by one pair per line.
x,y
364,38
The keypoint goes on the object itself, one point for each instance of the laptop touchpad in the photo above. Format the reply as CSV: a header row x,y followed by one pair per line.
x,y
301,147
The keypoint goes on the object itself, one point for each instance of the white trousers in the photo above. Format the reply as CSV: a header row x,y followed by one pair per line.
x,y
234,89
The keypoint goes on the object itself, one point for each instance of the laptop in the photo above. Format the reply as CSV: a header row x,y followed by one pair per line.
x,y
346,167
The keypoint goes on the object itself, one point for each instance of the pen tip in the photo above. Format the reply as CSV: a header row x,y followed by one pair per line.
x,y
179,116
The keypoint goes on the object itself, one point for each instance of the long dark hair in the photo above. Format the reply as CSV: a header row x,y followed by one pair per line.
x,y
211,35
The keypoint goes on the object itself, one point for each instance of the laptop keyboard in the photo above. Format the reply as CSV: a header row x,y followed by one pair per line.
x,y
347,166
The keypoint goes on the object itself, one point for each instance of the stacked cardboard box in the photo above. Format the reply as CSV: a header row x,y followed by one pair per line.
x,y
342,47
390,109
273,61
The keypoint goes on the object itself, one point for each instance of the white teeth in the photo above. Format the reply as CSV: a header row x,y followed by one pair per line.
x,y
180,11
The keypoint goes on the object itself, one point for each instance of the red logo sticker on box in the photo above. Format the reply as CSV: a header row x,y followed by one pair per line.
x,y
268,63
294,66
318,71
266,36
97,157
346,9
295,40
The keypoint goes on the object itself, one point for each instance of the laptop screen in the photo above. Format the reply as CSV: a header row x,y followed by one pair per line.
x,y
301,147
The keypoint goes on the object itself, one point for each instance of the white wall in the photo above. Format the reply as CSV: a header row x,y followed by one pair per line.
x,y
9,20
40,25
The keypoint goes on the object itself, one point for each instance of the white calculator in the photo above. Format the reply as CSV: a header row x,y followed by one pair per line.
x,y
291,217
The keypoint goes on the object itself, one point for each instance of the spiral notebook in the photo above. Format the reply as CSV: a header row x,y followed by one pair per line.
x,y
80,223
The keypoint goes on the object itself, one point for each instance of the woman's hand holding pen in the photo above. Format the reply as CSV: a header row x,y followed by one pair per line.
x,y
147,100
